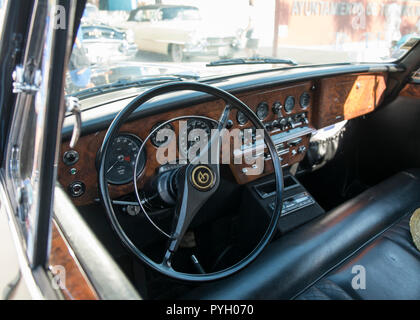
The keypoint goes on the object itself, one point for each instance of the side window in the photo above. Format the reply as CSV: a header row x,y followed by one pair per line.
x,y
171,13
191,14
180,14
139,17
146,15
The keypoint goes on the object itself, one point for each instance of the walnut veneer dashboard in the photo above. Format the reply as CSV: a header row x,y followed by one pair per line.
x,y
290,112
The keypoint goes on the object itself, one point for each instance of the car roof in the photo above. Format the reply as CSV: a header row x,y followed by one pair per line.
x,y
160,6
157,6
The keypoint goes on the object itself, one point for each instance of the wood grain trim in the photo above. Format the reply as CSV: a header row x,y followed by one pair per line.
x,y
89,145
347,97
411,90
365,95
77,284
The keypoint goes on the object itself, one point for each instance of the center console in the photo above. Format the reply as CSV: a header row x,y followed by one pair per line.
x,y
299,206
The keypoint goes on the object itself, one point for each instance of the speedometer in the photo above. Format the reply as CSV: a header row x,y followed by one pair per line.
x,y
121,158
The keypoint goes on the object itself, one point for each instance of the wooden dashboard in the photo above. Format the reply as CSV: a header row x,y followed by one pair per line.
x,y
318,103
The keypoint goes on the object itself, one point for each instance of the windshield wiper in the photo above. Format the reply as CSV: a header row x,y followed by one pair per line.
x,y
124,83
254,60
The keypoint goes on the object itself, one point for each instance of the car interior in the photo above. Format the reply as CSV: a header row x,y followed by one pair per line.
x,y
346,137
317,188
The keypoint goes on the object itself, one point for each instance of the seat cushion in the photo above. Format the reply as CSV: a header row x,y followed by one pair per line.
x,y
390,267
299,259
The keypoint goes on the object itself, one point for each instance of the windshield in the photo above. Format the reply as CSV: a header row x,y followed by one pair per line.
x,y
126,40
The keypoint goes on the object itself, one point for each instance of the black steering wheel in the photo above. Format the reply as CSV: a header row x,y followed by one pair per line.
x,y
191,195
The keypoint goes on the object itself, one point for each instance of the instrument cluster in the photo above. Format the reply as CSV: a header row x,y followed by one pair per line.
x,y
286,113
283,115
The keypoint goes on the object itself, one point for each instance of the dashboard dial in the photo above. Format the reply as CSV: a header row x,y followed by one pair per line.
x,y
305,100
241,118
193,137
262,111
121,159
289,104
159,141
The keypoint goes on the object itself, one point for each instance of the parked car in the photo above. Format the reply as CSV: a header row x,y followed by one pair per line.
x,y
179,32
105,43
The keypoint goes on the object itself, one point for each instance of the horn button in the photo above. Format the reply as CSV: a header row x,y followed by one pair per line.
x,y
202,178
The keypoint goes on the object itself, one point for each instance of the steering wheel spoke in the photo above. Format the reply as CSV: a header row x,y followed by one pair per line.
x,y
196,184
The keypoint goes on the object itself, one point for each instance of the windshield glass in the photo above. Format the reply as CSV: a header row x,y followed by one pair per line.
x,y
128,40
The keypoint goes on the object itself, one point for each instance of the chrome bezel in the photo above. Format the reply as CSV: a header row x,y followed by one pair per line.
x,y
139,143
300,100
267,110
237,118
285,104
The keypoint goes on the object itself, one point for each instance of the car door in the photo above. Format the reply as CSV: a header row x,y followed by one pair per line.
x,y
34,52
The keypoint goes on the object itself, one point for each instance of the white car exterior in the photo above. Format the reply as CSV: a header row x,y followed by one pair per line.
x,y
179,32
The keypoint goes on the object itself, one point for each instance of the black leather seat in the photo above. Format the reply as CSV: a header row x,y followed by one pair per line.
x,y
391,266
316,260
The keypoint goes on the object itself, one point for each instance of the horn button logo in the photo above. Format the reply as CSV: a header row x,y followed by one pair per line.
x,y
202,178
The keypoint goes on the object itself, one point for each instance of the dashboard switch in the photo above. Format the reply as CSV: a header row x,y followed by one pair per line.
x,y
302,149
291,123
277,106
282,124
77,189
70,157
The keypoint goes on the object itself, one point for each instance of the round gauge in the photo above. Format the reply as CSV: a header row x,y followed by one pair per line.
x,y
289,104
120,161
160,137
241,118
262,110
305,100
195,130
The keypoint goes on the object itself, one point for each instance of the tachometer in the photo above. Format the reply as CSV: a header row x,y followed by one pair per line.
x,y
121,159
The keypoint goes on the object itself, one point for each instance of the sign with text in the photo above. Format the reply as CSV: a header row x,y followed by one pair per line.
x,y
336,22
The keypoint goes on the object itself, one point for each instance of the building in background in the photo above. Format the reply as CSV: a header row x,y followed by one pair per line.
x,y
345,26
